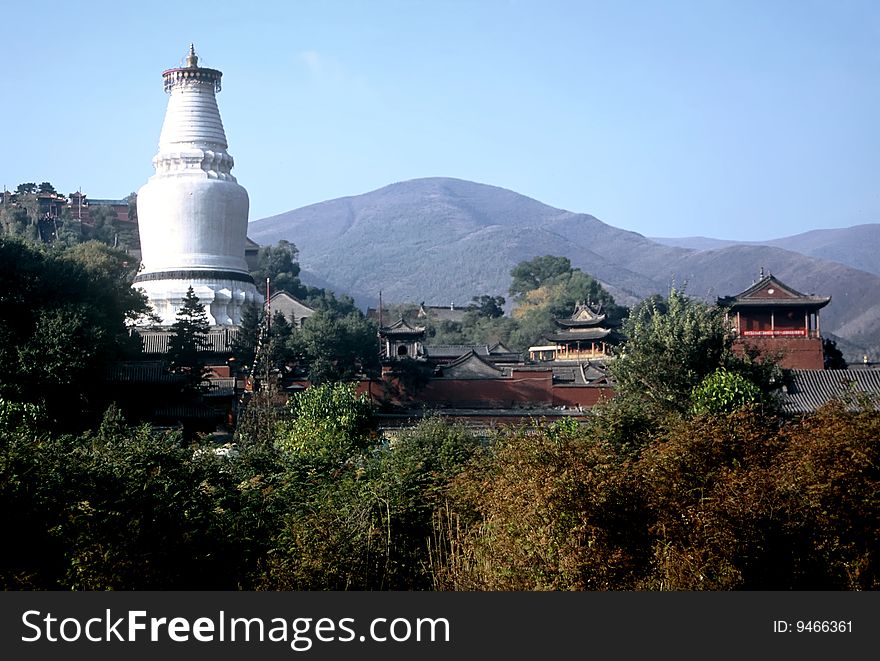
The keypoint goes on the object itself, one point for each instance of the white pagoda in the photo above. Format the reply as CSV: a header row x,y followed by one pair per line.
x,y
192,213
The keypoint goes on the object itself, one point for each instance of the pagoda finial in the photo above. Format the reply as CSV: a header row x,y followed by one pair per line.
x,y
192,60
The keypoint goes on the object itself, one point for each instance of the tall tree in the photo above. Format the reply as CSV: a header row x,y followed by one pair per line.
x,y
669,350
532,274
548,288
278,264
62,323
132,200
490,307
189,340
337,348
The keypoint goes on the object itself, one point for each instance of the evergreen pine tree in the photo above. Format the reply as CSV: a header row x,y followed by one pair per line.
x,y
189,340
244,344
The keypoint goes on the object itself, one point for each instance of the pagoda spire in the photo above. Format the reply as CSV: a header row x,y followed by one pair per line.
x,y
192,60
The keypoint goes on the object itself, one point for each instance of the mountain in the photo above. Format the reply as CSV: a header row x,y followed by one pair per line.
x,y
854,246
443,240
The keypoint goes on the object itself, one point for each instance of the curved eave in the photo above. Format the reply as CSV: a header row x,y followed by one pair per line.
x,y
813,303
598,334
581,322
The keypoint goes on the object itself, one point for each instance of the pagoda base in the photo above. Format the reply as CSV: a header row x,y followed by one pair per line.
x,y
224,299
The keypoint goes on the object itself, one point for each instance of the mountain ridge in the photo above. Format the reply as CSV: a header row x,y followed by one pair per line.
x,y
445,240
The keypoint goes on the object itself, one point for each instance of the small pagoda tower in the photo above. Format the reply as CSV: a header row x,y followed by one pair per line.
x,y
777,321
401,340
586,335
192,213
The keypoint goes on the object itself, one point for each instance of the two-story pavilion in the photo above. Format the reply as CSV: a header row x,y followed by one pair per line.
x,y
777,321
586,335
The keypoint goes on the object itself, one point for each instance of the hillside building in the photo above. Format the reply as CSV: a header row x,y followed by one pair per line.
x,y
80,208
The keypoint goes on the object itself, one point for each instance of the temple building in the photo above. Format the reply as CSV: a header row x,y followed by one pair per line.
x,y
192,212
586,335
401,340
776,321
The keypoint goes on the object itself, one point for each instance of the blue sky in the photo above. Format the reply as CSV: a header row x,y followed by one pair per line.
x,y
733,119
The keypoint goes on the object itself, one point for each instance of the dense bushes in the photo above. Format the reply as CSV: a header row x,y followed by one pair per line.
x,y
713,502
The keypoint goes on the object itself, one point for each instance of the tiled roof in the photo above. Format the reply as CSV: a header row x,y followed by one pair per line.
x,y
583,316
454,350
401,327
580,334
581,374
769,291
142,372
156,342
807,390
442,312
472,366
499,347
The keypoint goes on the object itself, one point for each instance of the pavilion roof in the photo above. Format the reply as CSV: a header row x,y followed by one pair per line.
x,y
584,316
401,327
579,335
769,291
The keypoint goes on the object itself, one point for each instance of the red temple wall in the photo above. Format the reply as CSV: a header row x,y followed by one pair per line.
x,y
522,389
796,353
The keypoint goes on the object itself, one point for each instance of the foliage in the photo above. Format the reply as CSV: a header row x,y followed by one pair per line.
x,y
337,348
407,378
721,502
543,513
329,423
490,307
714,502
669,352
724,392
278,264
366,524
189,341
555,297
244,343
127,508
62,324
832,356
532,274
131,198
24,214
106,227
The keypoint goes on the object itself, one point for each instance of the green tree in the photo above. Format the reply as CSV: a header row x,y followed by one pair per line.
x,y
189,341
669,350
529,275
337,348
131,198
330,424
62,324
723,391
244,344
278,264
490,307
832,356
553,294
